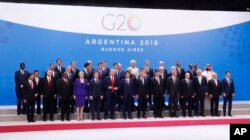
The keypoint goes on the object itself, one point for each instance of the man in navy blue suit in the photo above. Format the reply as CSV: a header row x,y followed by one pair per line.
x,y
30,93
228,92
200,88
59,68
21,76
157,88
111,87
142,91
215,91
96,95
187,94
127,87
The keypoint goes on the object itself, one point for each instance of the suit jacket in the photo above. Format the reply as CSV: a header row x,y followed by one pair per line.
x,y
156,88
29,92
106,72
142,88
119,75
88,75
59,72
38,85
95,88
101,74
186,89
181,75
226,88
108,82
200,89
173,88
64,90
192,73
150,72
20,79
214,90
48,91
75,74
127,89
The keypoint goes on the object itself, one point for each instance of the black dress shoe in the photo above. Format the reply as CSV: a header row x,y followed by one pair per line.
x,y
124,118
184,115
99,118
155,116
33,120
93,119
230,115
62,119
130,118
51,119
44,119
190,115
160,116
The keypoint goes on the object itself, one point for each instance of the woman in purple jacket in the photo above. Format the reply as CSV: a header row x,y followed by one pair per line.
x,y
80,94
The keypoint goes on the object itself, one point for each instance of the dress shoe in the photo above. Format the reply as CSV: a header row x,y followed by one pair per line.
x,y
99,118
51,119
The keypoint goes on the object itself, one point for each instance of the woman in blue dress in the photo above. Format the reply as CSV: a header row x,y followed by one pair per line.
x,y
80,94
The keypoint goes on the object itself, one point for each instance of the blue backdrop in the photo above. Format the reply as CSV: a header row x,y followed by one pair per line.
x,y
224,48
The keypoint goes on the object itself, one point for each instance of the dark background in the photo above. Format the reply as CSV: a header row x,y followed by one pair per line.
x,y
225,5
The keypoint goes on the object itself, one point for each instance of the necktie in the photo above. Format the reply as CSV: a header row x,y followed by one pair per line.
x,y
22,72
199,78
31,84
174,80
228,81
158,81
112,84
49,81
142,81
215,81
100,73
59,69
66,81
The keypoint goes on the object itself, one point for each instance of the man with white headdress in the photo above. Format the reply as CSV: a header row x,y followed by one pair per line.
x,y
208,74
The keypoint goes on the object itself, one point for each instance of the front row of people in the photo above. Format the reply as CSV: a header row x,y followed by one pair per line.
x,y
129,88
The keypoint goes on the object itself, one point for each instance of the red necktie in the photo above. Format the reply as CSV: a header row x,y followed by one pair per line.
x,y
49,82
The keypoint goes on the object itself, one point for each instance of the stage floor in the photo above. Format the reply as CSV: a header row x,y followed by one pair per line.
x,y
205,128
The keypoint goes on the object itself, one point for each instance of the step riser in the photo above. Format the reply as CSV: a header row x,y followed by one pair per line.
x,y
10,118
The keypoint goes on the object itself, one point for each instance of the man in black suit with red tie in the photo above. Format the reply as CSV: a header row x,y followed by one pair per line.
x,y
157,87
65,93
215,91
30,93
228,92
96,95
48,94
111,87
187,94
142,92
173,93
200,89
38,80
127,91
21,76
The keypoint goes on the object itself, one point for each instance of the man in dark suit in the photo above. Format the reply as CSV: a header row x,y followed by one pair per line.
x,y
119,76
29,95
48,94
105,68
96,95
38,80
200,89
111,88
173,93
75,73
87,75
142,89
21,76
127,91
228,92
157,87
59,68
101,76
191,71
180,71
164,78
215,91
187,94
65,93
148,69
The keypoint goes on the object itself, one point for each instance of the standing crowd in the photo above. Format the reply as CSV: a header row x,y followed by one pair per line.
x,y
70,90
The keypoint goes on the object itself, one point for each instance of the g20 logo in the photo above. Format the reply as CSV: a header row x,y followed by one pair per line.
x,y
120,22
